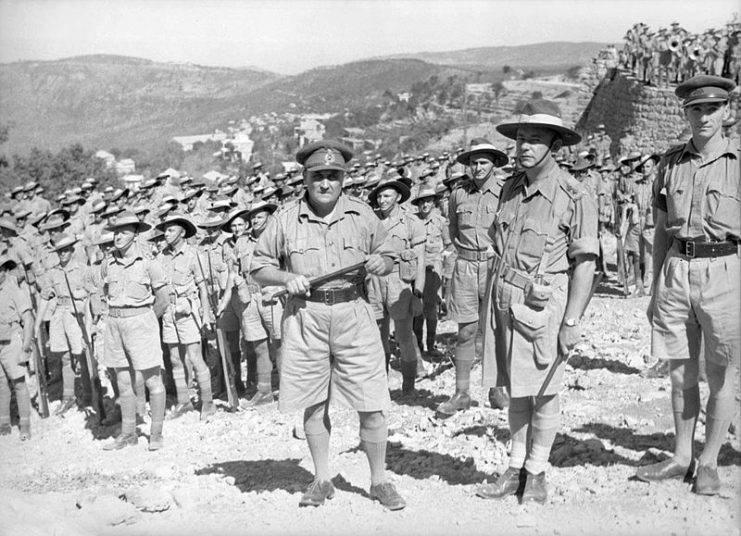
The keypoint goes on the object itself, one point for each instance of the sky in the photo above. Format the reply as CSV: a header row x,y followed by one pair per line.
x,y
290,36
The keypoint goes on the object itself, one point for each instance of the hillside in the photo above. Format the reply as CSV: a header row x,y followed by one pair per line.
x,y
105,101
552,55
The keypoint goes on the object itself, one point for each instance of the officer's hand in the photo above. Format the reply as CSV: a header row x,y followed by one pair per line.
x,y
299,286
375,264
28,346
568,337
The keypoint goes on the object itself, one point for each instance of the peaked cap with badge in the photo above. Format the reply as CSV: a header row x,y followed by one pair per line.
x,y
324,155
704,88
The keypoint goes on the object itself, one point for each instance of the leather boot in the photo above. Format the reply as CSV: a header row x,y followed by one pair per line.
x,y
535,488
317,492
458,402
121,441
511,482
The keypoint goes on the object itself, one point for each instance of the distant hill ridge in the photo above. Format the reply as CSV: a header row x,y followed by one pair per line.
x,y
107,101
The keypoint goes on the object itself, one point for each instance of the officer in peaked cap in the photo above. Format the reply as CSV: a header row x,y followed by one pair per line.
x,y
696,298
332,349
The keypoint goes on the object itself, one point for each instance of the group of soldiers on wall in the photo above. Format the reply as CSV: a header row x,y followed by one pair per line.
x,y
669,56
203,291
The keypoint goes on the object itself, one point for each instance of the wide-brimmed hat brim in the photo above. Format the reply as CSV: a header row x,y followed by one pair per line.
x,y
140,226
425,195
243,213
568,136
397,185
187,225
500,157
68,244
269,207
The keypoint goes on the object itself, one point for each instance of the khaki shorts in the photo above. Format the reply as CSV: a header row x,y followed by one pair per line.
x,y
64,332
468,289
389,293
523,362
260,321
182,329
698,300
11,357
133,342
332,352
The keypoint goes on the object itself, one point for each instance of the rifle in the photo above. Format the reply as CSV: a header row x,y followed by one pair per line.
x,y
39,361
622,263
318,280
559,355
221,343
92,366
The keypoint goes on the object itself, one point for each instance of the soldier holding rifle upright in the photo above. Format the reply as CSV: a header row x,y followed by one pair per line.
x,y
545,240
331,346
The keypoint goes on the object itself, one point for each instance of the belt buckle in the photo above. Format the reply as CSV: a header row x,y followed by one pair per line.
x,y
689,249
328,298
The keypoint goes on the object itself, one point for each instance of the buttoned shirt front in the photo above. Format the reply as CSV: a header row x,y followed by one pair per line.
x,y
701,198
80,281
437,237
555,215
297,240
131,282
471,212
182,270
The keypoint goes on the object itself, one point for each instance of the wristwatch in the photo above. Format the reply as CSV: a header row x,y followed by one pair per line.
x,y
571,322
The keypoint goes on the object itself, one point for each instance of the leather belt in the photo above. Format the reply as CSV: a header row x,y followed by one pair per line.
x,y
694,249
127,312
331,296
474,255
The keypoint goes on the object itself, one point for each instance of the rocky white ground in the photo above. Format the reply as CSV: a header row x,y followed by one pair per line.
x,y
243,473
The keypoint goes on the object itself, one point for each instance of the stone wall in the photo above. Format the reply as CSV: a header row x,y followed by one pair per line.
x,y
636,117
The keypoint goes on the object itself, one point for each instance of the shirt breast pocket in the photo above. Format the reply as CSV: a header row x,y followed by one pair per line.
x,y
677,204
138,284
723,205
305,256
466,217
353,251
532,243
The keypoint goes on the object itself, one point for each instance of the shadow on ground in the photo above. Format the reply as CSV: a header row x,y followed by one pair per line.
x,y
422,464
626,438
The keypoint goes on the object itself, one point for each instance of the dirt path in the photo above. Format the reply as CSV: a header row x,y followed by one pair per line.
x,y
243,473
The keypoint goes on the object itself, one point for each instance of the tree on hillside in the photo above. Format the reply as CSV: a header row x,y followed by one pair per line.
x,y
60,171
506,69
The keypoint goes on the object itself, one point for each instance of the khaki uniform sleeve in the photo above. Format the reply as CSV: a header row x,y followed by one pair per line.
x,y
659,187
419,233
156,274
583,230
269,248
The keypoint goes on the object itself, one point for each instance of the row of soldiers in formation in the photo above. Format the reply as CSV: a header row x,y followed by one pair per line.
x,y
672,55
116,286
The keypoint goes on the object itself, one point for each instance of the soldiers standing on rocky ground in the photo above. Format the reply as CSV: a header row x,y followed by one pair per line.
x,y
471,212
398,296
696,298
135,288
545,242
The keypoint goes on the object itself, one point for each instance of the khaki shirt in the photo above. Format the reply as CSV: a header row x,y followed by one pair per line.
x,y
556,215
131,282
213,262
438,238
244,253
297,240
471,212
701,199
55,286
182,270
13,304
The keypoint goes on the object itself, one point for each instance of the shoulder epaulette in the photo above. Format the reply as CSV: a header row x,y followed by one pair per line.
x,y
674,149
573,188
286,207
